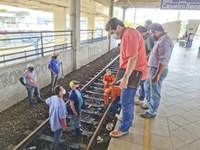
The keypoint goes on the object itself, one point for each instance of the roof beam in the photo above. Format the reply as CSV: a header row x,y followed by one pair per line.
x,y
138,1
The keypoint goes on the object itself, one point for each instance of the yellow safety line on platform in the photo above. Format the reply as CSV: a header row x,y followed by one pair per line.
x,y
146,138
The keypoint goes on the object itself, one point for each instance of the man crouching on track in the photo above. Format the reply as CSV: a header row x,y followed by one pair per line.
x,y
76,103
31,84
114,92
133,66
57,114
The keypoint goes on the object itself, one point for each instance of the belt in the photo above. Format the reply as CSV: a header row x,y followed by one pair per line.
x,y
152,67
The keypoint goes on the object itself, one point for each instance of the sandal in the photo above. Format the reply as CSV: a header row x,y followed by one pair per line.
x,y
117,133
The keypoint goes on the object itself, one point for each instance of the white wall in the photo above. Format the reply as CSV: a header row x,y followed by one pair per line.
x,y
192,26
172,28
11,90
92,51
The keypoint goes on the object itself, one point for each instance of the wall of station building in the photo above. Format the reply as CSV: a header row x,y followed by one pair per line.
x,y
12,91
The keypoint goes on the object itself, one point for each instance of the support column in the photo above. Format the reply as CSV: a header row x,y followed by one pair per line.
x,y
124,14
91,21
111,9
134,16
179,12
74,13
59,18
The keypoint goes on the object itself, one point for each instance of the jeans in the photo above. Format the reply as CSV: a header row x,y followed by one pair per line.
x,y
54,81
115,105
127,104
153,90
142,91
74,122
57,136
33,90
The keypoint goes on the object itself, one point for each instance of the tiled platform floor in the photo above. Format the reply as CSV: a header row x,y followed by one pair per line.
x,y
177,124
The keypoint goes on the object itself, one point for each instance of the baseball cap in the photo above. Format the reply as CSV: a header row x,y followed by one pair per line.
x,y
54,54
141,29
30,65
156,27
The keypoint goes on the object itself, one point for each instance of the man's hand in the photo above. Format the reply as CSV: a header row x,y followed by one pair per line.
x,y
123,82
65,129
111,84
75,113
27,85
155,78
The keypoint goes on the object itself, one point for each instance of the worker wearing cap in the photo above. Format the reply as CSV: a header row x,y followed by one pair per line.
x,y
114,92
54,67
76,103
108,79
57,114
31,84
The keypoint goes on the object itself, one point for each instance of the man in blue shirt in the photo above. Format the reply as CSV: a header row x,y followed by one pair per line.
x,y
54,67
75,105
31,84
57,114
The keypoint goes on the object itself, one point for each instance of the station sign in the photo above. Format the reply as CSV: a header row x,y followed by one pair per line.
x,y
180,4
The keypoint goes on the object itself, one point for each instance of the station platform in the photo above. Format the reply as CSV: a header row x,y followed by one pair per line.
x,y
177,124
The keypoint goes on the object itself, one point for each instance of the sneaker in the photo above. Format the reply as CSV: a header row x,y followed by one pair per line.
x,y
118,117
117,133
147,115
40,101
145,107
138,102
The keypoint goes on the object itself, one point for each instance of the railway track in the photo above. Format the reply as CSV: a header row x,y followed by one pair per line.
x,y
93,120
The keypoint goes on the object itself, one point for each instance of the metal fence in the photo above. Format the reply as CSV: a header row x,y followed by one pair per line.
x,y
20,46
91,36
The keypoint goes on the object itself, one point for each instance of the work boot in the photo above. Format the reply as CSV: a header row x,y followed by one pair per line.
x,y
138,101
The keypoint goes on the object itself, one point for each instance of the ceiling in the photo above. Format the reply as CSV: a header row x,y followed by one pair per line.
x,y
132,3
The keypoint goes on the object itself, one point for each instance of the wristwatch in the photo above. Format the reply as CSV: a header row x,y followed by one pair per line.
x,y
126,76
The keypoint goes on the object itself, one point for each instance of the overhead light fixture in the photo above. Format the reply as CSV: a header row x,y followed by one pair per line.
x,y
109,1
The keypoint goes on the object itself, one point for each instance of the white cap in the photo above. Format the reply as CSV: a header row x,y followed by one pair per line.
x,y
30,66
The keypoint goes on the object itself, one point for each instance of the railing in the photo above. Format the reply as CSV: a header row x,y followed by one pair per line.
x,y
21,46
92,36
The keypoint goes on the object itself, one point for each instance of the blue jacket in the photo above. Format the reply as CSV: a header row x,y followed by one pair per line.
x,y
73,97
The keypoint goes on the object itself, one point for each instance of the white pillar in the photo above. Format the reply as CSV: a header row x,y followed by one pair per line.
x,y
134,17
124,14
91,21
110,16
74,12
59,17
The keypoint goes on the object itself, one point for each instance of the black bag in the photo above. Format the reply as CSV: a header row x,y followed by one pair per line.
x,y
134,79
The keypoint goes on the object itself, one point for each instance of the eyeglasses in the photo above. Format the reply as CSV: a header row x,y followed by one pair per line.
x,y
152,32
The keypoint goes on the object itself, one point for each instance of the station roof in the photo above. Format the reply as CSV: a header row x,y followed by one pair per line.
x,y
132,3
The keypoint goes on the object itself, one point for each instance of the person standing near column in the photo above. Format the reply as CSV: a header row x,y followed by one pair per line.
x,y
158,68
31,84
133,66
54,67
